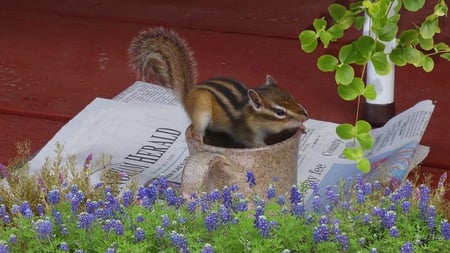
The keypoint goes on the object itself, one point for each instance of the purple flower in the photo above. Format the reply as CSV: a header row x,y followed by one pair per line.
x,y
296,196
366,218
63,246
389,219
317,204
227,197
281,200
165,220
225,215
423,200
263,226
4,248
171,197
139,218
367,188
40,209
207,248
393,232
3,211
139,234
298,209
324,220
321,233
251,180
445,229
43,228
431,217
85,220
407,190
407,248
270,192
192,206
406,207
329,193
359,182
179,241
146,202
114,225
159,232
343,241
6,219
25,209
53,196
110,250
12,238
242,205
214,195
127,198
360,197
315,188
212,221
377,185
15,209
387,191
396,196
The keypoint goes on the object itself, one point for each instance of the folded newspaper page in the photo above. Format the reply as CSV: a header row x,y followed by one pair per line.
x,y
142,128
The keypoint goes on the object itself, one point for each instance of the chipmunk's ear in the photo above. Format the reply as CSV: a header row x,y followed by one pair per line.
x,y
270,81
255,99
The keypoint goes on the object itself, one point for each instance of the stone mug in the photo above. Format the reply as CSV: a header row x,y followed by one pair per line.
x,y
212,166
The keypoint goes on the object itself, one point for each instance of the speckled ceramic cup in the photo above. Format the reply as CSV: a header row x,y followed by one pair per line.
x,y
211,167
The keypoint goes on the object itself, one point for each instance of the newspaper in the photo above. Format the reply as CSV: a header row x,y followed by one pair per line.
x,y
143,130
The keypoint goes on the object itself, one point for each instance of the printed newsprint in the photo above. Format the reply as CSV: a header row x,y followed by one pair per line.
x,y
143,127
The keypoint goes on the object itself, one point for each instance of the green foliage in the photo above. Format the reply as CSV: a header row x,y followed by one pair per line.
x,y
348,221
415,46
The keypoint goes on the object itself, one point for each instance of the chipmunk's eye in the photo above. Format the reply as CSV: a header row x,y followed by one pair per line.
x,y
279,112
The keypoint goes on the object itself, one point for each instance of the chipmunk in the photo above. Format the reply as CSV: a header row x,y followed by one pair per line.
x,y
218,104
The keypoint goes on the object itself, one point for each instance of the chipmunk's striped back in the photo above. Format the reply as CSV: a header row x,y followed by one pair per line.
x,y
230,94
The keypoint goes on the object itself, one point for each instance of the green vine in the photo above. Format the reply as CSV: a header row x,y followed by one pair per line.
x,y
415,46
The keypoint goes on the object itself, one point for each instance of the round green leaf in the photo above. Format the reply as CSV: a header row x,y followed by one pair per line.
x,y
363,164
365,140
380,63
387,32
319,24
325,38
426,44
336,31
413,5
344,74
327,63
428,64
308,41
446,56
412,55
396,56
370,92
429,27
346,54
337,11
408,37
353,154
365,46
345,131
362,127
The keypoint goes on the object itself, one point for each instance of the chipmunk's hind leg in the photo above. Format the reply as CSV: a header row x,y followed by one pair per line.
x,y
199,108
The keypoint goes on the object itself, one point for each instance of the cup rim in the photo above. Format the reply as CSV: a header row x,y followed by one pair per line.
x,y
298,132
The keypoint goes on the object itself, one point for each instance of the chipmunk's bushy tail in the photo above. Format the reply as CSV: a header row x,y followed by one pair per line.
x,y
162,56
